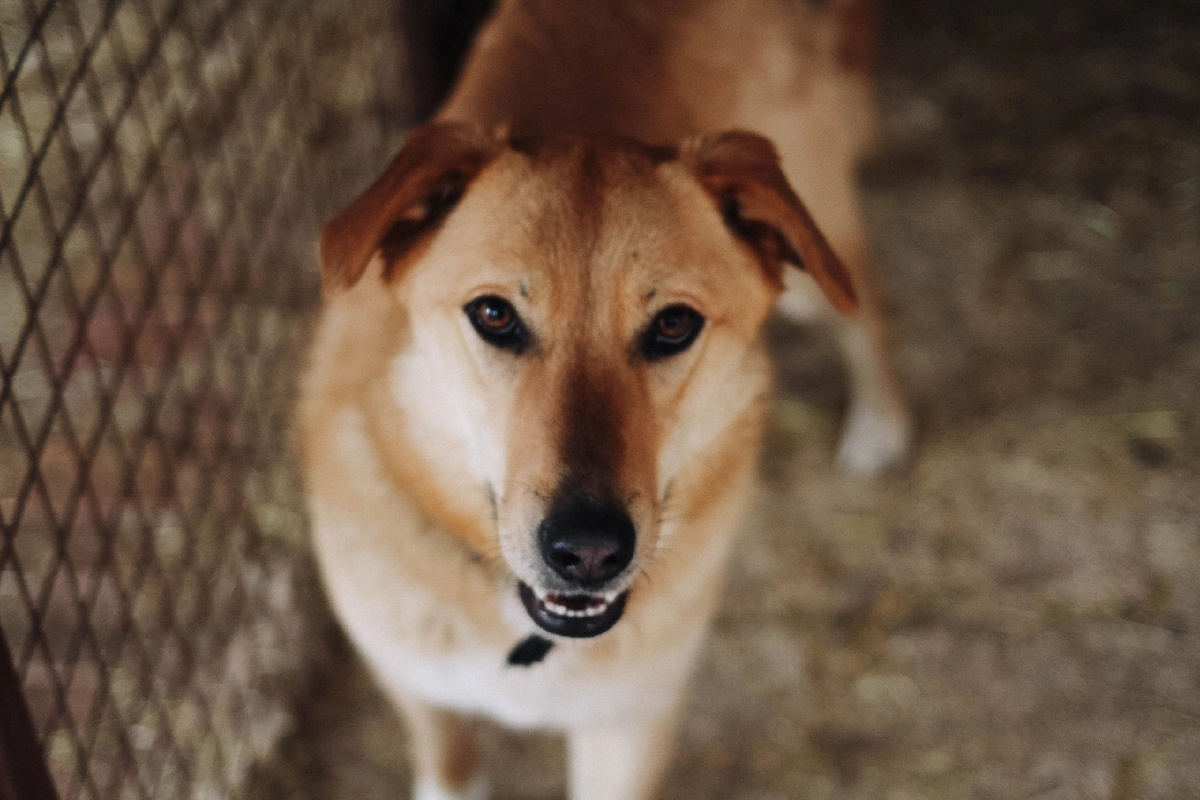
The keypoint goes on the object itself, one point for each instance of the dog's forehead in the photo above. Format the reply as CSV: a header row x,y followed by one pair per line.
x,y
571,214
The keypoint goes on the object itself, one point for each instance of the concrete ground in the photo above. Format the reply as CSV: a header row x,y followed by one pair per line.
x,y
1019,615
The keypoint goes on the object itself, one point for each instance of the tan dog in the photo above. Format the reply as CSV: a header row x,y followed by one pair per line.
x,y
537,391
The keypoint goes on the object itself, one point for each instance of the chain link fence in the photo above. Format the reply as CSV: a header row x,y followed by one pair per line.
x,y
164,165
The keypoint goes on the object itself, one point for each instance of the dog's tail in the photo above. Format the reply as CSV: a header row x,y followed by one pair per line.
x,y
437,36
856,32
858,27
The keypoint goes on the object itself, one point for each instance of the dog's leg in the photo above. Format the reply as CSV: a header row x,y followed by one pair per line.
x,y
876,432
877,428
444,756
620,761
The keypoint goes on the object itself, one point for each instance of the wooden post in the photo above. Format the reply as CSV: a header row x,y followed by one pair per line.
x,y
23,773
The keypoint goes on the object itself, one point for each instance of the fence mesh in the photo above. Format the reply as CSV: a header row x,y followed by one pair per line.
x,y
163,166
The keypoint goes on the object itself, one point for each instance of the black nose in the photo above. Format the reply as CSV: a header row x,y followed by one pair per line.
x,y
587,541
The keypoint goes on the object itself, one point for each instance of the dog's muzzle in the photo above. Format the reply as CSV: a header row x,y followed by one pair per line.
x,y
587,543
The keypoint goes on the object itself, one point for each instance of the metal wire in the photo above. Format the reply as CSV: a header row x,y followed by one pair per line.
x,y
158,199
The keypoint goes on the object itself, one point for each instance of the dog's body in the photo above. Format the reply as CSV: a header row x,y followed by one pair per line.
x,y
538,388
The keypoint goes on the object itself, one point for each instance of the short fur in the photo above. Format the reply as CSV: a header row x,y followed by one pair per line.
x,y
578,171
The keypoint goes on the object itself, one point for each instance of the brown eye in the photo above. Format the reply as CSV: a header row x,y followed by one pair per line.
x,y
495,314
497,323
675,324
672,331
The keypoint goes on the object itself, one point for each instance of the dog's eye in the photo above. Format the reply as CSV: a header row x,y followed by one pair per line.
x,y
497,323
672,331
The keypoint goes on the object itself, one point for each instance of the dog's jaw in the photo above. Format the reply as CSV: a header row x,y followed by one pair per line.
x,y
576,616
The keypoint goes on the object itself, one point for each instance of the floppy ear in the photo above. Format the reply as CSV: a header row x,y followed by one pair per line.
x,y
741,171
407,202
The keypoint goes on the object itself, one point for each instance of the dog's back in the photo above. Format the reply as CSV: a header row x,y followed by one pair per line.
x,y
660,71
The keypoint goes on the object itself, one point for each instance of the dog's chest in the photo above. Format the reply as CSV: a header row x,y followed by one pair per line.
x,y
422,647
560,691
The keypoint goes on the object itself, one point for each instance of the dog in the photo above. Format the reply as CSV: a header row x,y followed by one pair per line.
x,y
535,398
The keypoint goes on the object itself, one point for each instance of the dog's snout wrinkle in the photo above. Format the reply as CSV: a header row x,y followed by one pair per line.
x,y
587,541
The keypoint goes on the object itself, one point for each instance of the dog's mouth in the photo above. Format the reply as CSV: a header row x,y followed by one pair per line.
x,y
579,616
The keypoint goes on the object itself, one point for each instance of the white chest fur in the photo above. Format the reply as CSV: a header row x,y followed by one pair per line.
x,y
434,625
424,648
559,692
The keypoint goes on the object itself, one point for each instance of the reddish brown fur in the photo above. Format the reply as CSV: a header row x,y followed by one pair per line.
x,y
431,456
858,21
434,156
745,166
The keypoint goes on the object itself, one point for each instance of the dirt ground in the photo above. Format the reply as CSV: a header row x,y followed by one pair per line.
x,y
1019,615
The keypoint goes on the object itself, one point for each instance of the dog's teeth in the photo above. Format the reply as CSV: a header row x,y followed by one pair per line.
x,y
597,605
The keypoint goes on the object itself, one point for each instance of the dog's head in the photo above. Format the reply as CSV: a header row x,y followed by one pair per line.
x,y
581,329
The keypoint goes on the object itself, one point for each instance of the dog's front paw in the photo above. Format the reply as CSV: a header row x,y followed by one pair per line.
x,y
874,442
426,789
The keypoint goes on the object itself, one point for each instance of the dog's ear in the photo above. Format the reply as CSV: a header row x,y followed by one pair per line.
x,y
407,202
741,171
